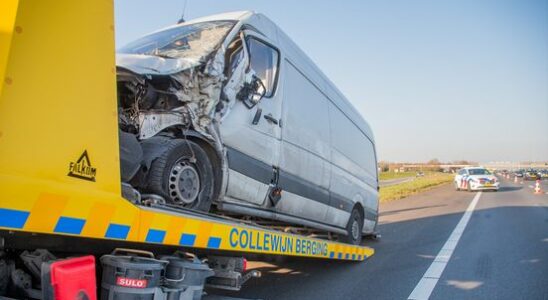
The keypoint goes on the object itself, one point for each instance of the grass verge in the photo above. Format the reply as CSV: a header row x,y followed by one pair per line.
x,y
416,186
394,175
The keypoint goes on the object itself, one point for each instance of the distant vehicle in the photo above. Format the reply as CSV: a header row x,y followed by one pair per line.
x,y
420,174
530,175
543,173
474,179
518,173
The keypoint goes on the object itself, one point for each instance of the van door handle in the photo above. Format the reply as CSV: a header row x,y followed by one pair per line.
x,y
257,116
271,119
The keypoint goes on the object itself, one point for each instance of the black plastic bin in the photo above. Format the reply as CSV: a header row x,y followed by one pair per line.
x,y
131,277
185,277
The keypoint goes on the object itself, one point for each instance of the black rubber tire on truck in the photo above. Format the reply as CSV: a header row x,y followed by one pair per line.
x,y
356,221
183,175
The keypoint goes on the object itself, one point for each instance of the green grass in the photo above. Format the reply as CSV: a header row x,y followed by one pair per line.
x,y
416,186
393,175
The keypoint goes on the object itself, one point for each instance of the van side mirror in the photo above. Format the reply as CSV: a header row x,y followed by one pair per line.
x,y
252,92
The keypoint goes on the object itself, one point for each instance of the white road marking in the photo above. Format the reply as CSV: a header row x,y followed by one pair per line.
x,y
428,282
532,187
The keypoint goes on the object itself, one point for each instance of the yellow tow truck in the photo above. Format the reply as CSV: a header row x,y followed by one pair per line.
x,y
58,125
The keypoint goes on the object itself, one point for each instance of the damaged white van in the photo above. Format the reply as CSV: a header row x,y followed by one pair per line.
x,y
226,113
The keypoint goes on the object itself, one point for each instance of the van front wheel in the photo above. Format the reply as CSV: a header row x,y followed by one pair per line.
x,y
183,175
354,228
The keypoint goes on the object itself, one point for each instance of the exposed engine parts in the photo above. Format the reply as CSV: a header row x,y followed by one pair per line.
x,y
152,103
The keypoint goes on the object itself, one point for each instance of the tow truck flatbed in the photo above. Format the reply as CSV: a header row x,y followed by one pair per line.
x,y
117,219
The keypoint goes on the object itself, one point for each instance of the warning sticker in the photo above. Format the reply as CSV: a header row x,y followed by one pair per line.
x,y
82,168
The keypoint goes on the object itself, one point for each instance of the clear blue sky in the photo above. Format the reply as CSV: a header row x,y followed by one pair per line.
x,y
435,79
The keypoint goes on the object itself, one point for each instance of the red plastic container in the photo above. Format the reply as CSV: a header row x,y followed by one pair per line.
x,y
70,279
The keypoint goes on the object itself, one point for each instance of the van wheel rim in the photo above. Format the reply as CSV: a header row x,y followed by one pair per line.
x,y
355,230
184,183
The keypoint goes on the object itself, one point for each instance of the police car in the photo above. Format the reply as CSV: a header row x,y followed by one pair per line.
x,y
476,178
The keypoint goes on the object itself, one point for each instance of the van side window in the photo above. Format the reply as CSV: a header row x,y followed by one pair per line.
x,y
264,61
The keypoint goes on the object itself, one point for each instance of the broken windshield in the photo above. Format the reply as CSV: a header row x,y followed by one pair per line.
x,y
192,42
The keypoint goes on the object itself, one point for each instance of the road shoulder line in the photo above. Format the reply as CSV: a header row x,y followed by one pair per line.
x,y
428,282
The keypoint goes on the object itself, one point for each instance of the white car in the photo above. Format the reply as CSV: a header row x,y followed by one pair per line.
x,y
476,178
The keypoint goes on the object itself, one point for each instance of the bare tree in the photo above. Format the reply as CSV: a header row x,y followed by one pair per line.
x,y
434,161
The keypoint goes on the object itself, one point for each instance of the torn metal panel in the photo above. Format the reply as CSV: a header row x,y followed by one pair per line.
x,y
200,93
237,78
151,123
180,69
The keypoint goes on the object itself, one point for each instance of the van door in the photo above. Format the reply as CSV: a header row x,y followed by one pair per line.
x,y
305,153
252,134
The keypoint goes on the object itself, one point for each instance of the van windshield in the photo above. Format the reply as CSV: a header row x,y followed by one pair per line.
x,y
192,42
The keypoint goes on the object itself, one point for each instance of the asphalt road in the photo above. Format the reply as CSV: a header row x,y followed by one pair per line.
x,y
502,253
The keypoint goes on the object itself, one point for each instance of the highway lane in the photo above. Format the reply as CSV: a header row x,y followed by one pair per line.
x,y
506,252
502,253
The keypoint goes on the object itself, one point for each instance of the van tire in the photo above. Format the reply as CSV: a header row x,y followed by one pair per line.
x,y
183,160
354,223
